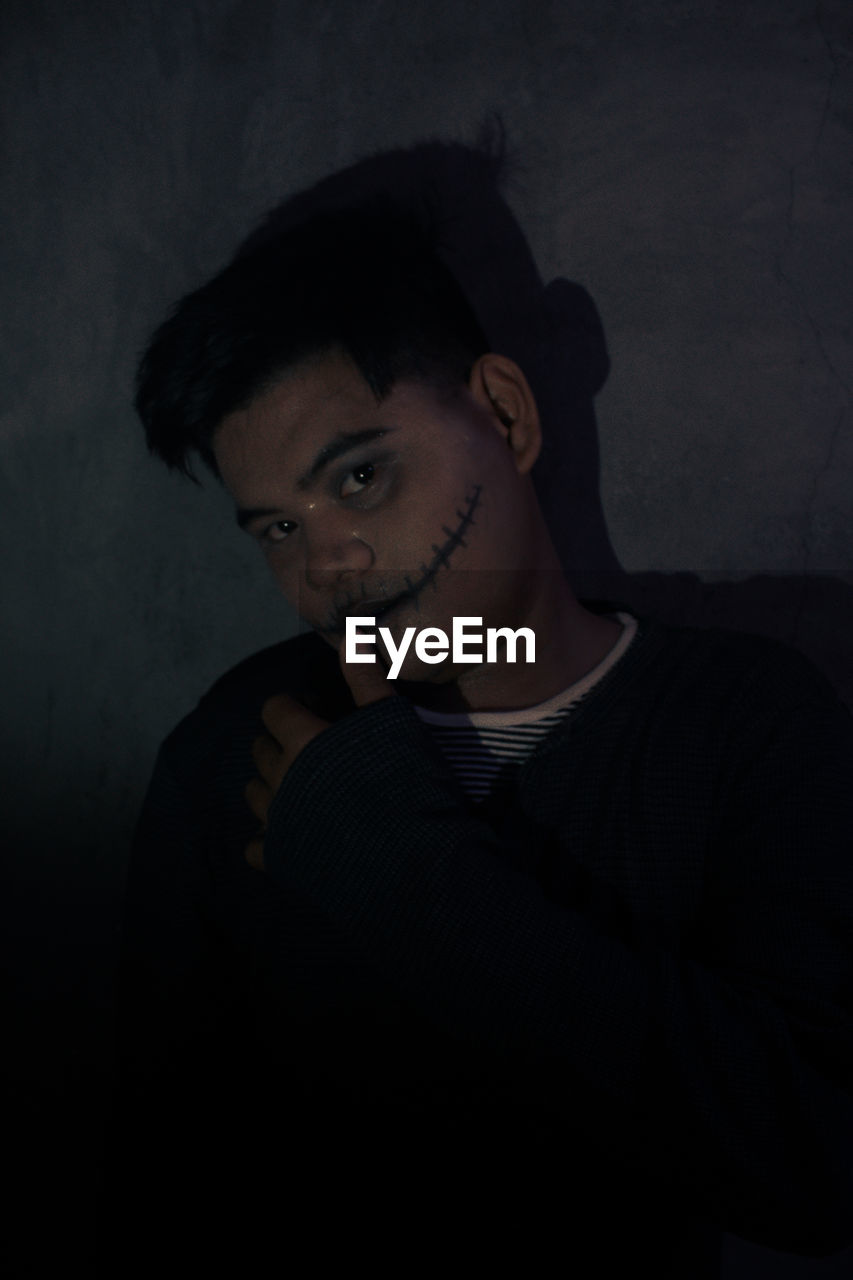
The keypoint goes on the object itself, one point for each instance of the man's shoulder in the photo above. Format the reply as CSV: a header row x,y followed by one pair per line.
x,y
729,649
736,670
678,664
707,705
304,666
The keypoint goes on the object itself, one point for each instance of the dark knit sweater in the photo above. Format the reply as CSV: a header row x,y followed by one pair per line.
x,y
615,1003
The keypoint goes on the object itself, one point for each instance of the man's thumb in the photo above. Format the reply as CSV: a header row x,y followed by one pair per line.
x,y
367,681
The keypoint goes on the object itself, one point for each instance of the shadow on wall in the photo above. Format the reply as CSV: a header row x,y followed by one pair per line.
x,y
554,333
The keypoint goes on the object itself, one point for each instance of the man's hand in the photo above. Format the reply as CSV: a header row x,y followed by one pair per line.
x,y
290,727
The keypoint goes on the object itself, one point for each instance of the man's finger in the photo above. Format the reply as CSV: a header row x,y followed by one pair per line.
x,y
284,718
266,754
258,797
367,680
254,853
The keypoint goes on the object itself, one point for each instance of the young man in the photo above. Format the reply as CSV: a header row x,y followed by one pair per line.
x,y
548,954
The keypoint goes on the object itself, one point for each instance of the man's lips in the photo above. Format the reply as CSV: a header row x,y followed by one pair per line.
x,y
427,574
369,609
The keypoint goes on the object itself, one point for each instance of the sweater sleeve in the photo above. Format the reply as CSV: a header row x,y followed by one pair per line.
x,y
732,1077
179,1011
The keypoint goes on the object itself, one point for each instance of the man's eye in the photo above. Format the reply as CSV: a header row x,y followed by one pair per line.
x,y
358,479
278,532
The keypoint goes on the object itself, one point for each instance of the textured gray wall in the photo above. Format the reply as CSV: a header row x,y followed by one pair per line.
x,y
688,162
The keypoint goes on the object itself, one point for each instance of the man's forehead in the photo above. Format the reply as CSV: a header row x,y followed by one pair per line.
x,y
302,397
304,410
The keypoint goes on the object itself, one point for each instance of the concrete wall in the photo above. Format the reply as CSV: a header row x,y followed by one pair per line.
x,y
688,162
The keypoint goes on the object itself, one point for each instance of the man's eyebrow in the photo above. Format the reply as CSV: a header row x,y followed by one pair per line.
x,y
245,515
336,448
341,444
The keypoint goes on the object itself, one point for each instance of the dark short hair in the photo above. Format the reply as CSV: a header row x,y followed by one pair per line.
x,y
366,281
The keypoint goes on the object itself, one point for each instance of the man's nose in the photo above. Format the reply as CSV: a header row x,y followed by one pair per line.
x,y
330,561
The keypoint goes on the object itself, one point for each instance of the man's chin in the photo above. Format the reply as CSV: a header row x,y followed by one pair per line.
x,y
414,673
436,688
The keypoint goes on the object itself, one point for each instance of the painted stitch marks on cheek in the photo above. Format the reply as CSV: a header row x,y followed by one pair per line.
x,y
415,586
441,554
432,644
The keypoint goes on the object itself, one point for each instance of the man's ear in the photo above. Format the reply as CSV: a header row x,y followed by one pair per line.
x,y
499,386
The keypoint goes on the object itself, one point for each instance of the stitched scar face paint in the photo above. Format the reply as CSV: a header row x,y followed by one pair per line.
x,y
414,585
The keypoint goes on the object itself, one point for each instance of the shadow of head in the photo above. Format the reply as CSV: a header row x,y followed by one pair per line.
x,y
455,194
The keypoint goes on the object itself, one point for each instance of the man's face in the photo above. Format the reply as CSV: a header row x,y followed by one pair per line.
x,y
413,510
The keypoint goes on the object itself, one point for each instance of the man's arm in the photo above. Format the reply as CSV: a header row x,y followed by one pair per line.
x,y
734,1077
179,1019
184,1077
